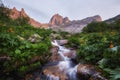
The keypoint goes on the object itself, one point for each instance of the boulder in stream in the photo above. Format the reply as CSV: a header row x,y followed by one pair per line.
x,y
89,72
54,73
62,42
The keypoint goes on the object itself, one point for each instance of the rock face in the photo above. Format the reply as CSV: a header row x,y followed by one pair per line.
x,y
23,13
55,56
76,26
55,72
35,23
15,14
89,72
62,42
58,20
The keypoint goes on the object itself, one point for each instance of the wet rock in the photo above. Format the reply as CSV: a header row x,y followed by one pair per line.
x,y
71,54
53,72
62,42
88,72
55,56
54,49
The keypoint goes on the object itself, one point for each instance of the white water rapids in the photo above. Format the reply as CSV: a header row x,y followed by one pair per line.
x,y
66,65
65,69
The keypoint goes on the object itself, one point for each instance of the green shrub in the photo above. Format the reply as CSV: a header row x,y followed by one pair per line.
x,y
96,27
14,43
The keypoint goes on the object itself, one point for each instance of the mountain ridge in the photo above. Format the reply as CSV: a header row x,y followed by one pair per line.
x,y
14,14
113,19
76,26
57,22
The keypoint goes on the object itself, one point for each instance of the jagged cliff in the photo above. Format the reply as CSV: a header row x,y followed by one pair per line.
x,y
76,26
14,14
58,20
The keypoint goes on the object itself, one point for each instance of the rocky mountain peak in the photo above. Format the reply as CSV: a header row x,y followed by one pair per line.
x,y
17,14
66,20
22,10
97,18
14,9
57,15
14,13
23,13
76,26
58,20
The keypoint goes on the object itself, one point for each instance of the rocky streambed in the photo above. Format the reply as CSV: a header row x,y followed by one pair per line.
x,y
62,67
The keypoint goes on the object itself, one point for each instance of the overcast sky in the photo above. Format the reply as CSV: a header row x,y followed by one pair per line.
x,y
43,10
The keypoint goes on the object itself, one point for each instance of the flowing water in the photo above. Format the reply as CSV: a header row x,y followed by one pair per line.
x,y
66,65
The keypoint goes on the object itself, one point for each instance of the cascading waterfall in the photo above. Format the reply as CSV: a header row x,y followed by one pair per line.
x,y
66,65
65,69
72,73
62,50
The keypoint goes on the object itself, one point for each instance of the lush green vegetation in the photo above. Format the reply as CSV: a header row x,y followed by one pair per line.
x,y
99,45
22,47
102,27
26,48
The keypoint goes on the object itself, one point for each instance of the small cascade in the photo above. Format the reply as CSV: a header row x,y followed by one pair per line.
x,y
65,69
62,50
65,66
72,73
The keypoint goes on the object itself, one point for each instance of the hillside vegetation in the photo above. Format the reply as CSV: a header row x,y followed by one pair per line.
x,y
99,44
24,48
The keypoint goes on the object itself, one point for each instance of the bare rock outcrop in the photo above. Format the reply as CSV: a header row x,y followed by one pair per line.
x,y
62,42
89,72
35,23
58,20
15,14
76,26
